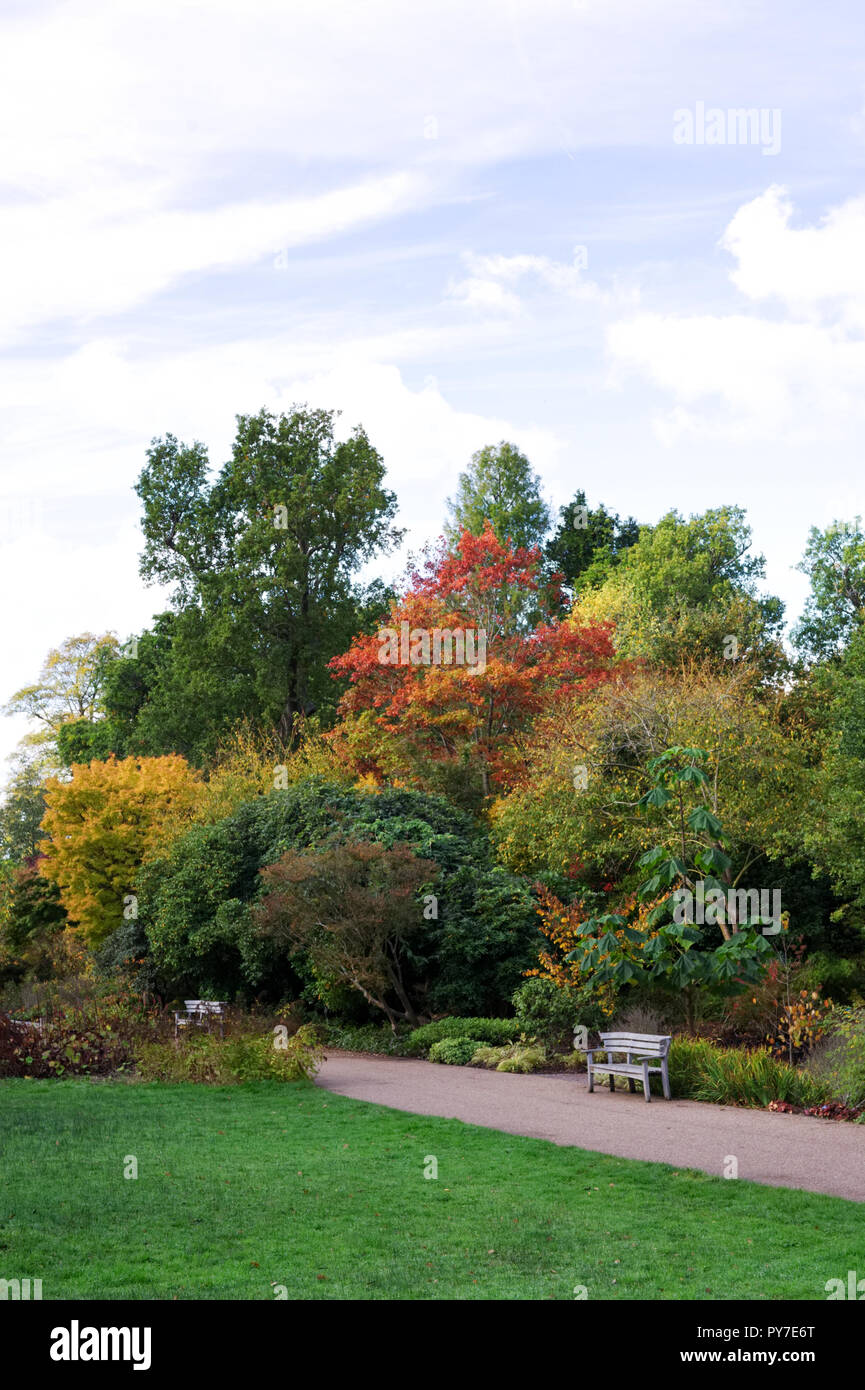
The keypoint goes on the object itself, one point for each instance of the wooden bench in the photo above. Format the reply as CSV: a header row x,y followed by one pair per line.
x,y
639,1049
200,1012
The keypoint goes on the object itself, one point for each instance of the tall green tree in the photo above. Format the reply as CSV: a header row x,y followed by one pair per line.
x,y
263,559
499,486
834,562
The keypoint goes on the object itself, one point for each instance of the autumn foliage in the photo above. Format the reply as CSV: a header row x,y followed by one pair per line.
x,y
417,714
101,825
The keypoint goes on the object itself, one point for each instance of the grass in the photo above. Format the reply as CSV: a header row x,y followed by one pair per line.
x,y
244,1188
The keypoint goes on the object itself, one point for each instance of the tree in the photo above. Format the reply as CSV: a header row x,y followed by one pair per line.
x,y
196,899
101,825
570,815
835,810
264,557
22,809
588,543
499,487
410,713
686,891
68,687
354,909
688,589
33,917
834,562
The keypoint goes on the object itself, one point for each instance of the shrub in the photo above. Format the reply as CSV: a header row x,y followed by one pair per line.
x,y
734,1076
368,1037
69,1046
208,1059
195,899
839,1061
457,1052
489,1030
519,1057
550,1012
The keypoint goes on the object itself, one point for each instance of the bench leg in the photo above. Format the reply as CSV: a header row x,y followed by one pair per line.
x,y
632,1085
646,1087
665,1078
612,1082
591,1078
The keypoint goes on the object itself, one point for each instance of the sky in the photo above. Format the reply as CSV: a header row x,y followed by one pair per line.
x,y
456,223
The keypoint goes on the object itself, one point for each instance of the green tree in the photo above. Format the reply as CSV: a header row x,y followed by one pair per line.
x,y
688,589
22,809
671,947
263,558
588,542
835,810
834,562
499,486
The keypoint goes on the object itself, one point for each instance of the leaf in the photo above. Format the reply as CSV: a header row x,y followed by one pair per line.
x,y
712,858
658,796
702,819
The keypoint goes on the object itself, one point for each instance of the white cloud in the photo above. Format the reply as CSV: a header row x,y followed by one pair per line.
x,y
814,271
93,255
741,376
485,288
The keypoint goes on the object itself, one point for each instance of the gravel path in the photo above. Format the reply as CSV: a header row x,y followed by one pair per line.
x,y
780,1150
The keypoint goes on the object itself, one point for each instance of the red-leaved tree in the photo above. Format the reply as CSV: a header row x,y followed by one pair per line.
x,y
410,714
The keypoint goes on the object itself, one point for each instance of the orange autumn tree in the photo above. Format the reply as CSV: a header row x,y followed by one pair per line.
x,y
444,693
101,825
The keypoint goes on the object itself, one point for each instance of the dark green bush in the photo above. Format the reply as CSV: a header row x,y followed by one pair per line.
x,y
369,1037
489,1030
195,902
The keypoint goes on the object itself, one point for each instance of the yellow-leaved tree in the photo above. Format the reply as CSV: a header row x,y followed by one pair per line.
x,y
100,826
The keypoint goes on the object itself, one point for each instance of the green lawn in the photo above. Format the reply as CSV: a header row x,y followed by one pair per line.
x,y
245,1187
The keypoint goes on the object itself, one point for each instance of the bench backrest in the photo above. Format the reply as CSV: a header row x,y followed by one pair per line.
x,y
656,1043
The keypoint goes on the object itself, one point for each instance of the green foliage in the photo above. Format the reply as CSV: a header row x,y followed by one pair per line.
x,y
515,1057
500,487
376,1038
588,543
667,948
22,810
456,1052
33,916
834,562
734,1076
82,740
491,1030
262,560
207,1059
686,586
835,813
195,899
550,1012
838,1062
